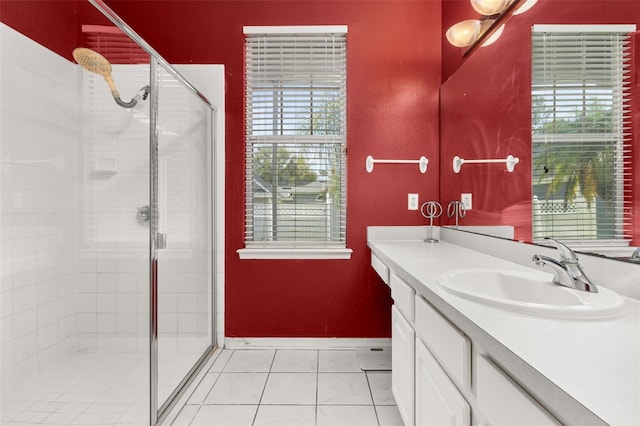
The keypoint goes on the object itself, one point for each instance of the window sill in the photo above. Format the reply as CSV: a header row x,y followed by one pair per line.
x,y
295,253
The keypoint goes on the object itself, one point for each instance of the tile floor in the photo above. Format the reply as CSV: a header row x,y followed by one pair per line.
x,y
290,387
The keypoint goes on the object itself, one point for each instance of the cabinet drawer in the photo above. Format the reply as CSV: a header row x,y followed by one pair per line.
x,y
449,345
402,295
438,401
503,402
380,268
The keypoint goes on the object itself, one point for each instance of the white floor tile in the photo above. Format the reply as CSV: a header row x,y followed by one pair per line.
x,y
341,415
221,361
388,415
380,384
343,389
295,361
290,388
204,387
250,361
338,361
186,415
286,415
60,418
225,415
237,388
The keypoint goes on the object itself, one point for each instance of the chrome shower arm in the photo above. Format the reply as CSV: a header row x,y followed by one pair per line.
x,y
143,93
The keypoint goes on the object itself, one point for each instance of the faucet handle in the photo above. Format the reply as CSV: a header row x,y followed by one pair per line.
x,y
566,254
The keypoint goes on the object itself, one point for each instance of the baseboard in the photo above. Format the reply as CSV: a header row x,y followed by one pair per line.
x,y
304,343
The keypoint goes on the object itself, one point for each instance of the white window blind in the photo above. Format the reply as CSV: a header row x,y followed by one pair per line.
x,y
295,154
580,131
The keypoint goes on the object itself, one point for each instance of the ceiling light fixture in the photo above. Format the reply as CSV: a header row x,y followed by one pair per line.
x,y
466,33
489,7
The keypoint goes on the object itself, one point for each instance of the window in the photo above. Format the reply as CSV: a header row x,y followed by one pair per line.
x,y
295,142
581,143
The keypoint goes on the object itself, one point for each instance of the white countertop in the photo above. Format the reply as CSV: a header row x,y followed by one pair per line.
x,y
594,362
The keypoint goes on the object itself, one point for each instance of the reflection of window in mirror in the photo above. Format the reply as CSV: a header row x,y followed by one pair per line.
x,y
581,180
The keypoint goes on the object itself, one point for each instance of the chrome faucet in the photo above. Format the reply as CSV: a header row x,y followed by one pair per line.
x,y
566,271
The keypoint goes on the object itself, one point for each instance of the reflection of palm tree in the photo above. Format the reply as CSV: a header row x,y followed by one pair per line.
x,y
581,154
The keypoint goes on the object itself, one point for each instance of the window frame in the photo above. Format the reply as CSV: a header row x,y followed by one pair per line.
x,y
293,249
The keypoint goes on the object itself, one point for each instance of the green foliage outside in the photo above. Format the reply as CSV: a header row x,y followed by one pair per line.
x,y
291,169
327,120
587,169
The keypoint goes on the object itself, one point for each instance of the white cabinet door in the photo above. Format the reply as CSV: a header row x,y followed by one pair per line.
x,y
449,345
503,402
402,364
437,400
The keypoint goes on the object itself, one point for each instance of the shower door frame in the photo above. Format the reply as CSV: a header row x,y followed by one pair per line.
x,y
159,409
158,413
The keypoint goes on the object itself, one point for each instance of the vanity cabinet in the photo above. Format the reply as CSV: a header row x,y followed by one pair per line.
x,y
432,378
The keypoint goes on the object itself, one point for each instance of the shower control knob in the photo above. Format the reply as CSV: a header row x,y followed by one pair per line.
x,y
143,215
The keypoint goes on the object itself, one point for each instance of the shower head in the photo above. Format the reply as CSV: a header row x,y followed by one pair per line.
x,y
94,62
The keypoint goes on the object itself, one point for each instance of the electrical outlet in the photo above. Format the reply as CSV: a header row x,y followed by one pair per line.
x,y
413,202
467,201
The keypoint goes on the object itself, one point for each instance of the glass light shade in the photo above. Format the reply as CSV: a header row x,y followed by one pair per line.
x,y
489,7
525,6
493,37
464,33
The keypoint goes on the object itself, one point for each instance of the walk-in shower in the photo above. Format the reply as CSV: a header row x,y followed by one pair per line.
x,y
107,251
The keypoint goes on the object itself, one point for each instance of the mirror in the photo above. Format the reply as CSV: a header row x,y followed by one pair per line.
x,y
486,114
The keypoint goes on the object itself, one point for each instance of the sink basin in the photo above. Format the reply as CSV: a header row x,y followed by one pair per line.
x,y
531,292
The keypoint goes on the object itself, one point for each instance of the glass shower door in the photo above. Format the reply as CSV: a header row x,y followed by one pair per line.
x,y
183,245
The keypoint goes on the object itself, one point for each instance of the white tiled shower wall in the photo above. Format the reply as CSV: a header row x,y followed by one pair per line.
x,y
38,153
113,247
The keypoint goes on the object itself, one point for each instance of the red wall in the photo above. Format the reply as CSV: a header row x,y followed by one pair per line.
x,y
57,25
393,89
485,110
50,24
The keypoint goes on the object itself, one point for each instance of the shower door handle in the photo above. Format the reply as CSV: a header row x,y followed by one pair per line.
x,y
161,241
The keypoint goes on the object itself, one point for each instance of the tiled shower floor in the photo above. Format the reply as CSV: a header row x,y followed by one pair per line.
x,y
105,388
82,389
290,387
